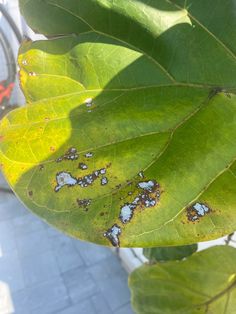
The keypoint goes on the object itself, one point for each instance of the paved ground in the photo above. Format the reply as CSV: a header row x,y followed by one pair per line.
x,y
42,271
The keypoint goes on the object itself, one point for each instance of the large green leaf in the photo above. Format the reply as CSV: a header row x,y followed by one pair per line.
x,y
204,283
147,88
163,254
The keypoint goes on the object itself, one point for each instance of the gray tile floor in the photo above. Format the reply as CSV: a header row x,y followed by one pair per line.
x,y
43,271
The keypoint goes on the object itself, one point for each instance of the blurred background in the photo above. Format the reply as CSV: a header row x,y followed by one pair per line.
x,y
9,43
41,270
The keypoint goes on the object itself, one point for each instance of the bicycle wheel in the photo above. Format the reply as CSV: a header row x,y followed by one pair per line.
x,y
8,67
7,70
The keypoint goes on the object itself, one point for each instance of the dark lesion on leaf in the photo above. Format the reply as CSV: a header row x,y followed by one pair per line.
x,y
90,178
112,234
82,166
118,186
217,90
104,181
88,155
214,91
65,178
71,154
41,167
103,214
197,211
143,194
84,203
149,196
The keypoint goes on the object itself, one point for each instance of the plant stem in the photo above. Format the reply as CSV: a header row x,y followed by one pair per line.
x,y
6,190
229,238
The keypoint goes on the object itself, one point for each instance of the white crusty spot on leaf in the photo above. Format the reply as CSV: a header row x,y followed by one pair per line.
x,y
112,234
64,178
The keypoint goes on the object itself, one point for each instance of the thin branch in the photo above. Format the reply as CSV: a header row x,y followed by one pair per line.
x,y
229,238
6,190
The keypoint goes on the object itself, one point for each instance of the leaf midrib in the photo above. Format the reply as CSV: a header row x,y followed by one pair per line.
x,y
172,131
211,299
86,150
219,295
227,49
192,201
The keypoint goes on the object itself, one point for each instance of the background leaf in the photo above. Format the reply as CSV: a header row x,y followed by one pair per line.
x,y
145,89
162,254
203,283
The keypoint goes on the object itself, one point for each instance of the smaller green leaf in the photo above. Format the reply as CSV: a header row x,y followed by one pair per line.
x,y
203,283
162,254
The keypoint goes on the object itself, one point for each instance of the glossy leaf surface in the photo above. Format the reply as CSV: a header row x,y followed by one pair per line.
x,y
128,135
202,284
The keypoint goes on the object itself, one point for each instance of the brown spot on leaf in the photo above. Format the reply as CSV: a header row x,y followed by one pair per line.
x,y
84,203
197,211
82,166
88,155
104,181
71,154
